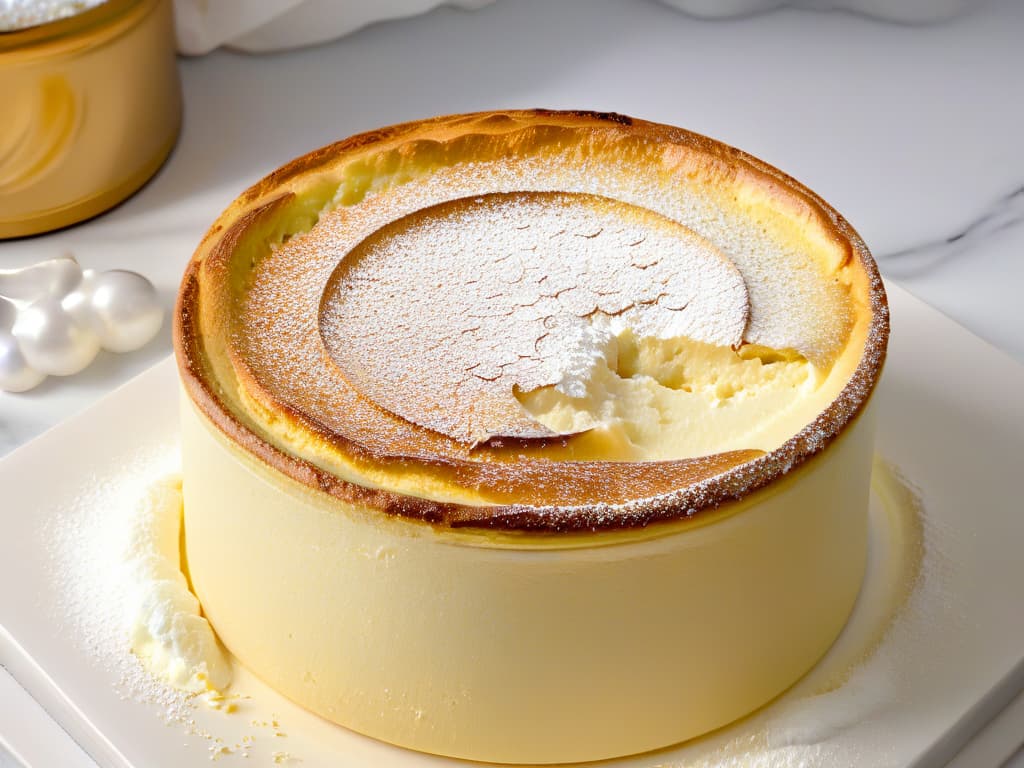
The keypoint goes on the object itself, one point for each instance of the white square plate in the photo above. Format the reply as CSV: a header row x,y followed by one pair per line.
x,y
951,418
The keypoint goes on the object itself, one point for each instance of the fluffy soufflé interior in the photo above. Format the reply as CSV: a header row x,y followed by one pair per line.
x,y
655,399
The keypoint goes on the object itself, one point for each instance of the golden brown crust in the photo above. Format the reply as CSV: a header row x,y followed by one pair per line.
x,y
535,494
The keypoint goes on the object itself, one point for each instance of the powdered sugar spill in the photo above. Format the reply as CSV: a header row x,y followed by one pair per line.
x,y
872,670
86,543
164,621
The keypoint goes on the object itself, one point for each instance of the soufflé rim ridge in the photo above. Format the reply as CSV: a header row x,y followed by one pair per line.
x,y
731,479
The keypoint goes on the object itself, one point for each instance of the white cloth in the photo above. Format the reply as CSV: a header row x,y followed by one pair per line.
x,y
258,26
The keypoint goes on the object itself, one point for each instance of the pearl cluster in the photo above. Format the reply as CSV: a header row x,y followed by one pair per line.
x,y
55,317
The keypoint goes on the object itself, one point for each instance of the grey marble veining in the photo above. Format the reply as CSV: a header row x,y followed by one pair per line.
x,y
973,274
1005,214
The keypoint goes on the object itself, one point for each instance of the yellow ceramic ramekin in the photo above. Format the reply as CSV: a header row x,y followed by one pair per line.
x,y
92,108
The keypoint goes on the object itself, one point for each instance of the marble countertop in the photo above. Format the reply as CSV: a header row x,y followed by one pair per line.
x,y
913,132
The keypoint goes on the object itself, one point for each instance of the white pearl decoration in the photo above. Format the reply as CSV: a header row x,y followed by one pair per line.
x,y
16,375
52,341
55,317
124,308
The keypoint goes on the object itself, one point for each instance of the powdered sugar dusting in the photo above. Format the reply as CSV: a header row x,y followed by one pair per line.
x,y
531,288
278,333
83,543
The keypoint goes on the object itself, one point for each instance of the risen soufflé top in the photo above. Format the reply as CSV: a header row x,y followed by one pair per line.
x,y
546,321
